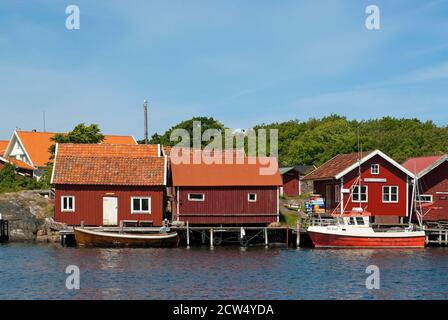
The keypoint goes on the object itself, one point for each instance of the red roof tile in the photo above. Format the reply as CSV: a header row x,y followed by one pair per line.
x,y
37,144
108,150
3,146
129,165
246,174
334,166
418,164
18,163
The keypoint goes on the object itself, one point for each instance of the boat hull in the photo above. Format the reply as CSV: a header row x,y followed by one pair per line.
x,y
89,238
324,240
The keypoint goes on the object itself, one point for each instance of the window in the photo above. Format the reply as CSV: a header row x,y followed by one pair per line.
x,y
337,193
375,169
196,197
424,198
359,194
390,194
141,205
68,204
359,221
252,197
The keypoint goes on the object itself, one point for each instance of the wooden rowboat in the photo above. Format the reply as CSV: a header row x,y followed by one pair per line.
x,y
98,237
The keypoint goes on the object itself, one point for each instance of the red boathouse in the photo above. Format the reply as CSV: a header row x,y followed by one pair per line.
x,y
105,184
382,188
225,194
432,177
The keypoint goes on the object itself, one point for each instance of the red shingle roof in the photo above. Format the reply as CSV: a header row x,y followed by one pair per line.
x,y
419,164
128,165
37,144
334,166
245,174
3,146
108,150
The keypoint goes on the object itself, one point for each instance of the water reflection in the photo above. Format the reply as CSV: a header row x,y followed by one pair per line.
x,y
38,272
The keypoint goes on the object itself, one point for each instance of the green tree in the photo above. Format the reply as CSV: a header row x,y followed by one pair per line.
x,y
80,134
206,123
11,181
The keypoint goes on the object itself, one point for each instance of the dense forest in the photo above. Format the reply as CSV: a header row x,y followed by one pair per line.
x,y
315,141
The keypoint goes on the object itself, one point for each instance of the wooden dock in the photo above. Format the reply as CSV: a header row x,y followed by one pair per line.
x,y
238,236
4,231
437,237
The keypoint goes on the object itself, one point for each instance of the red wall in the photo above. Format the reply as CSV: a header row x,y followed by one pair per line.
x,y
375,205
228,205
291,183
89,203
433,182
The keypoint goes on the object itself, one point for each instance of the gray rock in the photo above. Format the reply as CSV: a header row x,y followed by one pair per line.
x,y
25,212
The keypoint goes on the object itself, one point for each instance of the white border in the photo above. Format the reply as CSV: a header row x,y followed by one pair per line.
x,y
390,194
203,196
140,198
368,157
62,204
248,197
353,193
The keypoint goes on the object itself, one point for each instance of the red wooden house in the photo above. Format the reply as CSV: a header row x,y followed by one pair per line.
x,y
292,180
432,177
382,188
105,184
224,194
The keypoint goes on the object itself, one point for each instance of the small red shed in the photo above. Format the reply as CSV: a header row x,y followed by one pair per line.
x,y
432,177
225,194
292,179
105,184
382,188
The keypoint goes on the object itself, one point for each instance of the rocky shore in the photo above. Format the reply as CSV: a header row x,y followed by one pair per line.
x,y
30,217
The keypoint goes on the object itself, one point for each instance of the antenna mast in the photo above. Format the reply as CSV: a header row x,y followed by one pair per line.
x,y
145,108
43,116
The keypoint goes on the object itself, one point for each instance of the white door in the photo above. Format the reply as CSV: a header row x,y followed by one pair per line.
x,y
110,211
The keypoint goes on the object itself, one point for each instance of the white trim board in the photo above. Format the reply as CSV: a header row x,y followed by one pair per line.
x,y
370,156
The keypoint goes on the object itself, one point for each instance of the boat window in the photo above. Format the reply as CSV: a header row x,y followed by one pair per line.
x,y
141,205
359,195
359,221
252,197
196,197
375,168
68,203
390,194
351,221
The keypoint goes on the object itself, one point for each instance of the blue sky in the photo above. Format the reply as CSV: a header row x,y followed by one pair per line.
x,y
242,62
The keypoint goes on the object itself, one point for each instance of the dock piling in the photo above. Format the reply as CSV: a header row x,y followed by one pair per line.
x,y
188,235
211,238
266,237
298,233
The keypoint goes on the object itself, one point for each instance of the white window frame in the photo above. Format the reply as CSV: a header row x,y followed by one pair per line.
x,y
390,194
73,204
133,211
377,166
431,197
337,193
357,193
248,197
190,199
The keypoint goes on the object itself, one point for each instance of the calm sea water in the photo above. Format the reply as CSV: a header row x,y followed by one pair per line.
x,y
38,272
